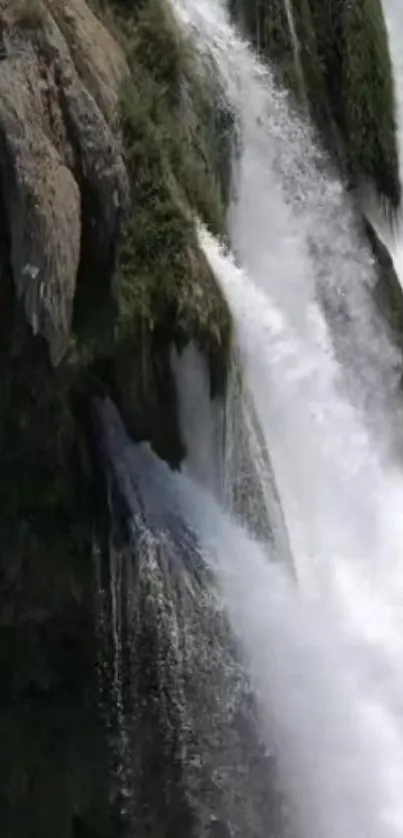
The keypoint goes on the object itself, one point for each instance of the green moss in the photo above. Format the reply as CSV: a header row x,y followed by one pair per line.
x,y
174,138
156,267
186,111
157,47
177,134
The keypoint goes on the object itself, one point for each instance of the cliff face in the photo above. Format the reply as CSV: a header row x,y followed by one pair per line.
x,y
103,160
58,111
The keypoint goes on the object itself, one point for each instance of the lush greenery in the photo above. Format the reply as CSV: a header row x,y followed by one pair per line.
x,y
177,134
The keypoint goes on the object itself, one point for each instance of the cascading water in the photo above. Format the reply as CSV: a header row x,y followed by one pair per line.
x,y
338,749
226,451
341,501
292,224
327,710
322,652
189,759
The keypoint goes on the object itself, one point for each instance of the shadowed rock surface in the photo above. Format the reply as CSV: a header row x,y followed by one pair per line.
x,y
100,274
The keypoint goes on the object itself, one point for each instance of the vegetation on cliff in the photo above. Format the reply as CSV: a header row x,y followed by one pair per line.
x,y
110,141
335,58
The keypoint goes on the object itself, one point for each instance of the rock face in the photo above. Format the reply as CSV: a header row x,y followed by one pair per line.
x,y
102,165
57,138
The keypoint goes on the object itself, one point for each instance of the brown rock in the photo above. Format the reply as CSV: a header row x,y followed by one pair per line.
x,y
98,58
58,136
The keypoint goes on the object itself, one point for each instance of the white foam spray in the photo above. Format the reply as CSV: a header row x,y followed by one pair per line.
x,y
325,657
337,744
292,224
343,510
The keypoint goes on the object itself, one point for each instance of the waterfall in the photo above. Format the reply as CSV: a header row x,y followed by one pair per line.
x,y
201,420
188,756
258,593
226,451
342,502
293,225
327,691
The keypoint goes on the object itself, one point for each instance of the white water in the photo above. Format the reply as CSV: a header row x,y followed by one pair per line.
x,y
225,449
293,226
343,505
327,659
338,748
324,697
201,422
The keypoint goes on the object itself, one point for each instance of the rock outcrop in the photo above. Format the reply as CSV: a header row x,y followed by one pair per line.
x,y
103,161
57,114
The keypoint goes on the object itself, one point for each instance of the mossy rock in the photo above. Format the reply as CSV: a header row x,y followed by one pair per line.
x,y
367,105
343,73
161,292
175,134
176,145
